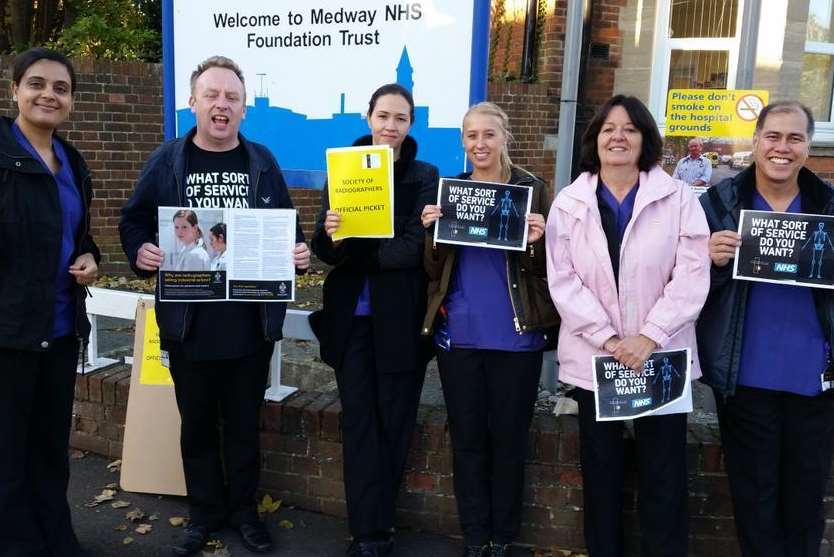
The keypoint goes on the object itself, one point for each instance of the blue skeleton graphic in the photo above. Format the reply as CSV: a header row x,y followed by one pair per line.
x,y
666,371
819,238
506,207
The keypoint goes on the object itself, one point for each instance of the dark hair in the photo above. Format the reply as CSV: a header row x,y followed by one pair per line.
x,y
640,116
191,218
780,107
219,231
24,60
392,89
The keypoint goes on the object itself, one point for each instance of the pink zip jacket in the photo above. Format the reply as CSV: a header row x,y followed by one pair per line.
x,y
664,271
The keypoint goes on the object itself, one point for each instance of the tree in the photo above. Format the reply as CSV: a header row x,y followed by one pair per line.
x,y
112,29
109,29
27,22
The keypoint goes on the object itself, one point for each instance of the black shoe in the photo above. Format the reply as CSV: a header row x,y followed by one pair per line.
x,y
254,536
500,550
476,551
194,539
375,548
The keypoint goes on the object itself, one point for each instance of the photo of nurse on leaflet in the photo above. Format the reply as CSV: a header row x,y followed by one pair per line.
x,y
184,237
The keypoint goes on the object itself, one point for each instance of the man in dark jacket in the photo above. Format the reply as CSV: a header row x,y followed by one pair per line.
x,y
764,347
219,353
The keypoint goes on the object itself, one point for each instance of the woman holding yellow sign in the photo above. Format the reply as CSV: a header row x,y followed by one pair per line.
x,y
489,310
369,328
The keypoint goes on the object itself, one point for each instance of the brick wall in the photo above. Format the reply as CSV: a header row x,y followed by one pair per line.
x,y
116,123
302,464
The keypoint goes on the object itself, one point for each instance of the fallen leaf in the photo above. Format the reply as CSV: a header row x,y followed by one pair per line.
x,y
176,521
285,524
127,541
77,455
115,466
91,504
119,504
267,505
135,515
214,544
143,529
219,552
114,485
154,516
120,527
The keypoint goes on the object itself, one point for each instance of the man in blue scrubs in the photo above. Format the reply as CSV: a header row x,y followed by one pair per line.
x,y
766,351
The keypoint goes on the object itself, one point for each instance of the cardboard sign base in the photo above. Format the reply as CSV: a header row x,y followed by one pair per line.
x,y
151,457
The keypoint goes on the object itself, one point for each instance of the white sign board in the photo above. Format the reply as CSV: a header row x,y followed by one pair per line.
x,y
310,68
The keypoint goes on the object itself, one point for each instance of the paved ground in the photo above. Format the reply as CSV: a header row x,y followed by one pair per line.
x,y
311,535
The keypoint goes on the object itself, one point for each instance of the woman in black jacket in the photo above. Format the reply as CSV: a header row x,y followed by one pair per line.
x,y
369,329
47,258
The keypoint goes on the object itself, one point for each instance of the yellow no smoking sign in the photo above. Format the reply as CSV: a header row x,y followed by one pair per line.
x,y
713,112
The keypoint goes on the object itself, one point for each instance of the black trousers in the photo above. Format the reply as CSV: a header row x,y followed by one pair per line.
x,y
209,393
662,482
777,451
35,416
379,411
490,396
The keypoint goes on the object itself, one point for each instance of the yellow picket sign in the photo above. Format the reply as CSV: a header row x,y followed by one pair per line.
x,y
360,185
713,112
152,370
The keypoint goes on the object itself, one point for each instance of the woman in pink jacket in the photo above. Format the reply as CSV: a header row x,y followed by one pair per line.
x,y
628,269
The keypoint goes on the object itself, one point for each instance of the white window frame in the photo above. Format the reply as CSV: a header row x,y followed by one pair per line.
x,y
662,56
824,129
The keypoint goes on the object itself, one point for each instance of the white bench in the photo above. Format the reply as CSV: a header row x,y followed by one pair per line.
x,y
122,305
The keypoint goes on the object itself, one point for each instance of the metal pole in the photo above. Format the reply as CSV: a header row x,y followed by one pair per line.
x,y
528,55
748,41
570,87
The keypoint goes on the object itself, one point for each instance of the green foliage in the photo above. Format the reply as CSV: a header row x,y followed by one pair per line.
x,y
112,30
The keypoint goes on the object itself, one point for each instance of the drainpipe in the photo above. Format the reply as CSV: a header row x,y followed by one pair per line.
x,y
570,86
528,55
748,42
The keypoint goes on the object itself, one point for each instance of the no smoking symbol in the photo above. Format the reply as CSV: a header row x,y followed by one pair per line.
x,y
748,107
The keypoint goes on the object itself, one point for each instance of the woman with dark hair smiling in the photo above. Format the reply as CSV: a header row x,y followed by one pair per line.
x,y
48,258
369,329
628,268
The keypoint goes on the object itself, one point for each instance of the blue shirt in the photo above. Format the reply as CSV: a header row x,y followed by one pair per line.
x,y
363,304
689,170
622,211
478,307
71,213
783,346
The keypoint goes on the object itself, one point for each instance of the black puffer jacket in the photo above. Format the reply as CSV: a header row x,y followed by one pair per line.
x,y
393,267
720,327
30,226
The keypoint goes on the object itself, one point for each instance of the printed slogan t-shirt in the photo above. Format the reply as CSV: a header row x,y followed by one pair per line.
x,y
220,330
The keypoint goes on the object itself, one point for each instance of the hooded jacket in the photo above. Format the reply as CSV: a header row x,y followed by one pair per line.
x,y
721,325
30,225
162,183
392,267
663,279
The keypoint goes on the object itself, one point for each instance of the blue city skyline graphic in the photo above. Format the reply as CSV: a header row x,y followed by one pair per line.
x,y
299,142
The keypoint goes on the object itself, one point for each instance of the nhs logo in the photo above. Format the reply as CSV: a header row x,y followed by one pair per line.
x,y
785,267
478,231
641,402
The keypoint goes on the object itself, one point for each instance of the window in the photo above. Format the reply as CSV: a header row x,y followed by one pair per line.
x,y
696,47
817,78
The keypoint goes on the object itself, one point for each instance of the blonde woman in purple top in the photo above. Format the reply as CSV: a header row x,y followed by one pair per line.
x,y
490,315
